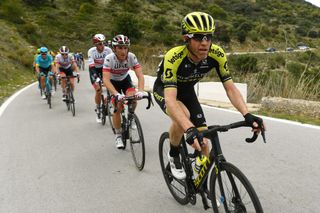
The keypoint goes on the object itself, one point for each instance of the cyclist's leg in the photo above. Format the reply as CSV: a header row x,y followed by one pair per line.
x,y
116,118
63,80
43,75
50,73
197,117
73,69
69,72
175,134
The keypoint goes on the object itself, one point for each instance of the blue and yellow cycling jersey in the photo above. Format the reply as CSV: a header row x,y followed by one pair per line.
x,y
178,71
44,63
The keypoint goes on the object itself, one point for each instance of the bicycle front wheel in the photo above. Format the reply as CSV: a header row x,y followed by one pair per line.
x,y
177,187
109,109
72,105
137,142
103,111
49,99
231,191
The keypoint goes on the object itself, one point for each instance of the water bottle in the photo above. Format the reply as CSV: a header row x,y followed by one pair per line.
x,y
200,161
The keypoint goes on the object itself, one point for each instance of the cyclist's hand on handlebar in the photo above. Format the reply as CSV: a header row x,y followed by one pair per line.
x,y
140,94
194,138
119,96
255,122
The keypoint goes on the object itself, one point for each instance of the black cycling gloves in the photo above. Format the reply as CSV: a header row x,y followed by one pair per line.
x,y
250,119
191,134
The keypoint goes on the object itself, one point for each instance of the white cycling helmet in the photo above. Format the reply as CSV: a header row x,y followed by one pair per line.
x,y
98,38
64,50
120,40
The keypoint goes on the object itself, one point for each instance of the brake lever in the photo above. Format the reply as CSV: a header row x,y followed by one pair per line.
x,y
253,139
149,101
263,136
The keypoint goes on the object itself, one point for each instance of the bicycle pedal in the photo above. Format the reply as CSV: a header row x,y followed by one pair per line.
x,y
193,199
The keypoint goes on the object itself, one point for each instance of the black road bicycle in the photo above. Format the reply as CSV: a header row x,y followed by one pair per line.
x,y
226,187
131,128
70,101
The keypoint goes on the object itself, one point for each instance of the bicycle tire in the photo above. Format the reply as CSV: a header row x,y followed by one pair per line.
x,y
124,131
68,99
223,183
176,187
72,104
109,107
49,99
103,111
137,144
48,92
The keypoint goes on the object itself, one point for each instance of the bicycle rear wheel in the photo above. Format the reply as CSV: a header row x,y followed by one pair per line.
x,y
231,191
177,187
137,142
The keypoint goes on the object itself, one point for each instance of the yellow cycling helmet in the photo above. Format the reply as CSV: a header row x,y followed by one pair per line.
x,y
197,22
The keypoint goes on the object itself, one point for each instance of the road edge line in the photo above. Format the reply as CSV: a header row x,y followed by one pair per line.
x,y
12,97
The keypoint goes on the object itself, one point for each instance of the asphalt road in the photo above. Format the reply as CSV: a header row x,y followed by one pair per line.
x,y
53,162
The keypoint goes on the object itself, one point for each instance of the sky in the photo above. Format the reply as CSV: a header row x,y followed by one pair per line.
x,y
315,2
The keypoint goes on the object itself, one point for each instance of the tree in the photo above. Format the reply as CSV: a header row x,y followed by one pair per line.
x,y
128,24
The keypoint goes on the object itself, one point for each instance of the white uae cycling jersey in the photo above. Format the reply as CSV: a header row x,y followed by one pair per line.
x,y
64,62
95,58
119,69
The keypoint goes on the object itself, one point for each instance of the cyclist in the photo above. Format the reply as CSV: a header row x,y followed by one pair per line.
x,y
44,66
117,79
181,68
96,57
110,43
79,59
66,65
34,59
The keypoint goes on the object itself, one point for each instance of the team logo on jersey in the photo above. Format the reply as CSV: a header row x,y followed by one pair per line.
x,y
168,73
199,115
175,57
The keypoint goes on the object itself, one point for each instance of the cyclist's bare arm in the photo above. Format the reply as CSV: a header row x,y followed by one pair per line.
x,y
54,70
74,64
37,68
235,97
237,100
108,84
140,76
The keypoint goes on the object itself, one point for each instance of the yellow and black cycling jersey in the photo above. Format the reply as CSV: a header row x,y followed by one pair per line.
x,y
177,70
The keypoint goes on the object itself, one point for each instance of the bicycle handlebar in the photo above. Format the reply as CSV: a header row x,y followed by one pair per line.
x,y
131,98
73,76
225,128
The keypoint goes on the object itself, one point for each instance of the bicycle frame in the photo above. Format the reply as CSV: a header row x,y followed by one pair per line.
x,y
215,155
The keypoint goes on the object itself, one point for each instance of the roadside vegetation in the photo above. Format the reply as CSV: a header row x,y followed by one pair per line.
x,y
154,26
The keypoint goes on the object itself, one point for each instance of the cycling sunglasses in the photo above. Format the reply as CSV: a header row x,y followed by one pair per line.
x,y
43,53
99,43
200,37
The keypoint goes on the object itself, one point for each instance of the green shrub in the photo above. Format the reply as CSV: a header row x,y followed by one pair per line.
x,y
295,68
128,24
86,8
160,24
244,63
217,12
12,10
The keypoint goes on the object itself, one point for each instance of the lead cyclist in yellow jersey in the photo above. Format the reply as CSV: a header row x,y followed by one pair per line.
x,y
181,68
